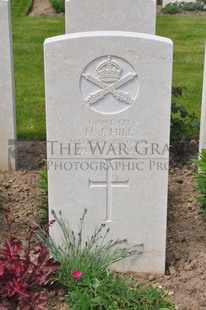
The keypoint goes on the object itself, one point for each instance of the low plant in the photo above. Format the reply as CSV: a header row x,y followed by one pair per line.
x,y
58,5
43,197
84,271
172,8
159,2
201,180
184,125
22,276
114,292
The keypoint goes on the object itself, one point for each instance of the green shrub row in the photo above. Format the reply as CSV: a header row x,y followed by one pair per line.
x,y
179,7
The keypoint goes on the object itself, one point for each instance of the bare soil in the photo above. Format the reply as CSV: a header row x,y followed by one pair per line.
x,y
41,8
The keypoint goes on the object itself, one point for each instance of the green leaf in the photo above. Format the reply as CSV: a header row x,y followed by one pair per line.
x,y
183,111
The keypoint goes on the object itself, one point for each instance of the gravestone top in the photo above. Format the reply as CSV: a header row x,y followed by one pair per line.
x,y
110,15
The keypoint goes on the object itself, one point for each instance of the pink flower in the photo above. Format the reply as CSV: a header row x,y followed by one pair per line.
x,y
76,274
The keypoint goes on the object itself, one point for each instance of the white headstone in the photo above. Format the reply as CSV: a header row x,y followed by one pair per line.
x,y
202,140
7,108
165,2
112,15
108,98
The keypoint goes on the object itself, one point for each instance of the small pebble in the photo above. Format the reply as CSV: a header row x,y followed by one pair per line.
x,y
171,293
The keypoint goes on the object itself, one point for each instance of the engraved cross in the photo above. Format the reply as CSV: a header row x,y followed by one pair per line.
x,y
109,184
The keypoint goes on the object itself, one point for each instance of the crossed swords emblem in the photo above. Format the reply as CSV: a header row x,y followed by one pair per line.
x,y
109,88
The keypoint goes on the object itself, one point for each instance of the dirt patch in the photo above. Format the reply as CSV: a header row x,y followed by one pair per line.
x,y
19,188
185,278
42,8
186,235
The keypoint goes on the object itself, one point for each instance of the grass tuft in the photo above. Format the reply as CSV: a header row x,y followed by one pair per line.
x,y
20,7
58,5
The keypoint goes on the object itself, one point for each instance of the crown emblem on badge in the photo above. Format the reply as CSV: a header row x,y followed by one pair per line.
x,y
109,80
109,71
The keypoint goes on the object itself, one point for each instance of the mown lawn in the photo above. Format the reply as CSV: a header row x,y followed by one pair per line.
x,y
29,34
187,32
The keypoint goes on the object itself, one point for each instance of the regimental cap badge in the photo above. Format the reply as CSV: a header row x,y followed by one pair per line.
x,y
109,71
110,78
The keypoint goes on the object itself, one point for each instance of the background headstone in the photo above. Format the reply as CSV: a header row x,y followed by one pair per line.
x,y
108,97
7,107
202,140
165,2
113,15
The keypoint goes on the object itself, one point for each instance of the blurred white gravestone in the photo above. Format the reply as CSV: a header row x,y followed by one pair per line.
x,y
7,102
113,15
165,2
202,139
108,97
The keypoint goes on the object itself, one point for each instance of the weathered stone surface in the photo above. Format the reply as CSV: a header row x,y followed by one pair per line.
x,y
108,98
7,108
202,140
113,15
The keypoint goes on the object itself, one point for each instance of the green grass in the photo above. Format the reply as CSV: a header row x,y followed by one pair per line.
x,y
29,34
20,7
187,32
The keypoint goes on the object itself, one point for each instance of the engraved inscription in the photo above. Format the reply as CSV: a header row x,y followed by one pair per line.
x,y
109,85
123,128
109,184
